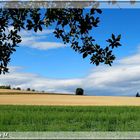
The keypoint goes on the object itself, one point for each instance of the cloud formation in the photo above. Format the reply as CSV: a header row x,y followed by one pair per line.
x,y
38,40
122,79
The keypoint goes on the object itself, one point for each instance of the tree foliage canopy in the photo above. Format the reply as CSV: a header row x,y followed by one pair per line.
x,y
72,26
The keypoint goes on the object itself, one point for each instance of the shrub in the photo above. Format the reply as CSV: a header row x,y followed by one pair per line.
x,y
18,88
28,89
137,95
33,90
79,91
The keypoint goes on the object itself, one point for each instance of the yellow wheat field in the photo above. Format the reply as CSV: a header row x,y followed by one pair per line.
x,y
49,99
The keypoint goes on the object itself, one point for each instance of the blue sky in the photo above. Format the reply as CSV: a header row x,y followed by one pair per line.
x,y
45,63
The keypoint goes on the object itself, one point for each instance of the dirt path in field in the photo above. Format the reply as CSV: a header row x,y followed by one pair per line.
x,y
32,99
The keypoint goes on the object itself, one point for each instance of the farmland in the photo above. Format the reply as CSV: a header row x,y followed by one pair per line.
x,y
28,111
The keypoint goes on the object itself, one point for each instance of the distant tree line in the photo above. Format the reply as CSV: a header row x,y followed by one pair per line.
x,y
5,87
17,88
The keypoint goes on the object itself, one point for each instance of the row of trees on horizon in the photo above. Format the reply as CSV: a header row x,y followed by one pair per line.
x,y
16,88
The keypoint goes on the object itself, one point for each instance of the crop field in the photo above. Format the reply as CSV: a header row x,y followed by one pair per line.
x,y
67,100
69,118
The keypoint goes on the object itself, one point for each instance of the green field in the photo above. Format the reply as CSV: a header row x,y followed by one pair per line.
x,y
62,118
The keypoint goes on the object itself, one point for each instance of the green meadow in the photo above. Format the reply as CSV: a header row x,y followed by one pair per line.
x,y
69,118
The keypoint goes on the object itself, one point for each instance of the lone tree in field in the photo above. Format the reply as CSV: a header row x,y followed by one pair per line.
x,y
71,25
79,91
137,95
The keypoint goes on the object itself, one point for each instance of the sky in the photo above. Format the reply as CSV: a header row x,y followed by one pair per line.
x,y
43,62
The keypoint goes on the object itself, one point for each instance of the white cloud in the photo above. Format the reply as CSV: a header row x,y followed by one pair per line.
x,y
39,40
46,45
120,79
26,33
135,59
